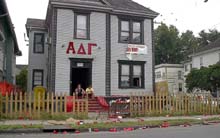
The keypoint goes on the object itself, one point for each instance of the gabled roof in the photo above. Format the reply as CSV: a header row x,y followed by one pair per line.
x,y
130,5
39,23
125,6
99,3
5,13
210,46
35,23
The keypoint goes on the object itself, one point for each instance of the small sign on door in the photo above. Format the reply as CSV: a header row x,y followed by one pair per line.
x,y
80,64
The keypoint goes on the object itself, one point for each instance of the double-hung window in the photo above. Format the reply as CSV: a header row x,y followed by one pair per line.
x,y
38,76
81,26
158,75
39,43
179,75
125,31
130,31
131,74
136,34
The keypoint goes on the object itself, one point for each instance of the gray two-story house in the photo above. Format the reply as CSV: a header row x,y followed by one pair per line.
x,y
8,46
104,43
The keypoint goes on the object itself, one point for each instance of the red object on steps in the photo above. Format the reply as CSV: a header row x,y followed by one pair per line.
x,y
97,105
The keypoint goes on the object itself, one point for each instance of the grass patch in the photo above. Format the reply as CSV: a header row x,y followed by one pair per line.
x,y
9,127
61,117
46,116
213,119
132,124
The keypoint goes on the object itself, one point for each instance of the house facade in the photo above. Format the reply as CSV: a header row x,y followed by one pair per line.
x,y
207,55
203,57
104,43
172,74
8,46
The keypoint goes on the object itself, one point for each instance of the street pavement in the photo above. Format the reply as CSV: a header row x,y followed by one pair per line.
x,y
207,131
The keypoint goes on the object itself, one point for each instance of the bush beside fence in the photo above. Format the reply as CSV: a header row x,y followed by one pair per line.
x,y
30,106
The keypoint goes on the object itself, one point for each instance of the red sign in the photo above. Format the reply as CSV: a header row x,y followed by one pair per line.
x,y
81,50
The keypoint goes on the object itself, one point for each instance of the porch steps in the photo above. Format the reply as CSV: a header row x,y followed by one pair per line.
x,y
94,106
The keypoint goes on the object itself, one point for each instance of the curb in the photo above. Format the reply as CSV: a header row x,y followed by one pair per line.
x,y
117,129
26,131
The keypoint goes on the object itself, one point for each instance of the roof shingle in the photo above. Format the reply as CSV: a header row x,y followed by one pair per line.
x,y
39,23
212,45
124,5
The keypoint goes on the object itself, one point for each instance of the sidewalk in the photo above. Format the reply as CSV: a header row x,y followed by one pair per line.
x,y
45,122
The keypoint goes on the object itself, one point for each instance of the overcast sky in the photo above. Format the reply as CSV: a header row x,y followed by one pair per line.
x,y
192,15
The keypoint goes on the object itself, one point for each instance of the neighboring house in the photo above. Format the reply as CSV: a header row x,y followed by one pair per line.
x,y
8,46
203,57
173,74
19,68
104,43
207,55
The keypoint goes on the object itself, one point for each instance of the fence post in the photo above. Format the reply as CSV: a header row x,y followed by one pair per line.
x,y
52,103
25,104
48,102
65,102
56,105
16,104
30,104
131,104
160,103
11,105
146,105
20,104
6,105
87,107
74,104
61,103
150,104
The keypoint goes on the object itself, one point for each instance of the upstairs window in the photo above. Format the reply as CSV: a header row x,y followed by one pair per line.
x,y
130,32
39,43
136,35
81,26
125,30
179,75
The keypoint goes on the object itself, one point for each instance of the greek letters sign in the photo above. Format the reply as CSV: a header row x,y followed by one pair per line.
x,y
136,49
81,50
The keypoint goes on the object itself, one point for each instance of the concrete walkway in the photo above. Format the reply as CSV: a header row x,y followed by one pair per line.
x,y
45,122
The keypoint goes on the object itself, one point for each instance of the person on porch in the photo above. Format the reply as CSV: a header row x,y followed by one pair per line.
x,y
79,91
90,92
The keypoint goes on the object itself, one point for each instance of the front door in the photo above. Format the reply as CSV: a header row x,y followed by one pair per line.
x,y
81,73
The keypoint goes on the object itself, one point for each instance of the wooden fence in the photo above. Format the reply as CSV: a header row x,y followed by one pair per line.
x,y
28,105
182,104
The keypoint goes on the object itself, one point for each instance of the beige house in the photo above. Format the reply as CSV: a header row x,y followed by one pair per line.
x,y
173,74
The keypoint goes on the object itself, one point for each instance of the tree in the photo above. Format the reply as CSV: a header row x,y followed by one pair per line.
x,y
167,46
188,43
206,37
206,78
21,80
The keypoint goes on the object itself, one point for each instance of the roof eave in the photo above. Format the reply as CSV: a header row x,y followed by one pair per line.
x,y
16,47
